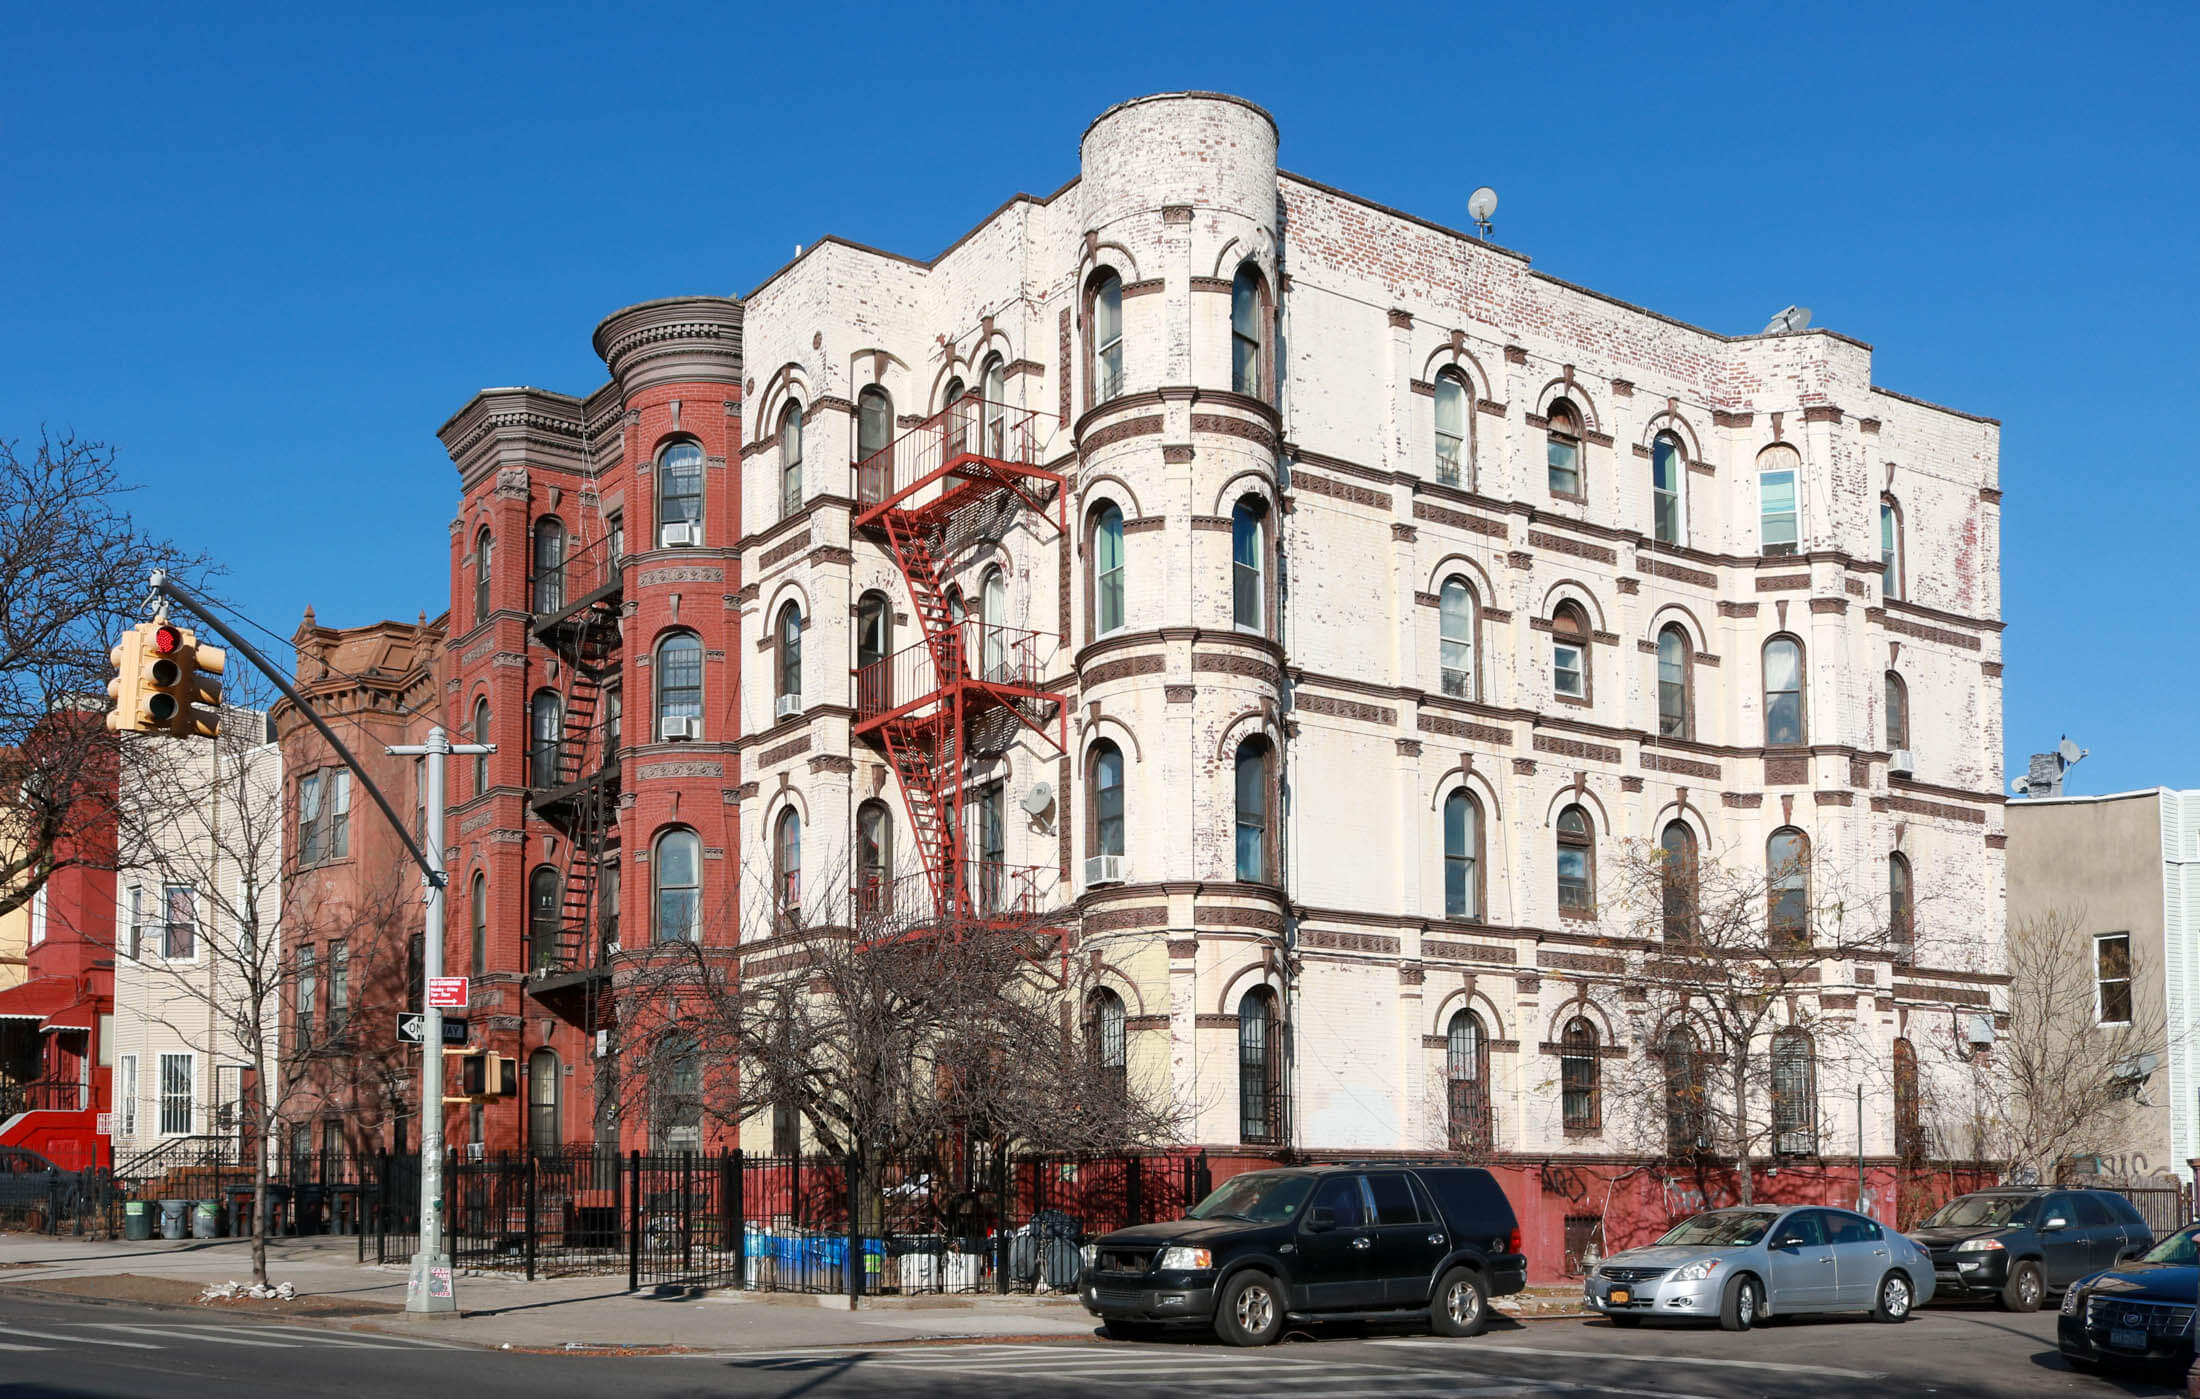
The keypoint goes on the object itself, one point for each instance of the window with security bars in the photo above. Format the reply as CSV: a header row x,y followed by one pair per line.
x,y
1466,1083
176,1075
1580,1074
1260,1069
1794,1113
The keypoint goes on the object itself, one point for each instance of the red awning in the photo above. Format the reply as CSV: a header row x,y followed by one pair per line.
x,y
76,1017
35,1000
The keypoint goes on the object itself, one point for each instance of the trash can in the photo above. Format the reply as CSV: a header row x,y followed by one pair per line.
x,y
137,1220
172,1214
206,1220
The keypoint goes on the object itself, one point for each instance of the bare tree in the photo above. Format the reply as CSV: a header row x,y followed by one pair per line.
x,y
73,570
1730,958
2066,1078
225,959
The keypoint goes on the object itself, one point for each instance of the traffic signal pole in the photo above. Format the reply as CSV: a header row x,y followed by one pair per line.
x,y
428,1290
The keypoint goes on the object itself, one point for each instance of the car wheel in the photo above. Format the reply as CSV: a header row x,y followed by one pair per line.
x,y
1896,1297
2023,1291
1130,1330
1250,1310
1625,1323
1742,1304
1461,1308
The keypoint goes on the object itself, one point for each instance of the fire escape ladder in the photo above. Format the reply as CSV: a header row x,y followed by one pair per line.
x,y
584,864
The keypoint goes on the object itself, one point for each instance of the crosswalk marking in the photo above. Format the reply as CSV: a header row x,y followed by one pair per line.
x,y
227,1337
247,1334
56,1336
5,1346
1647,1358
359,1340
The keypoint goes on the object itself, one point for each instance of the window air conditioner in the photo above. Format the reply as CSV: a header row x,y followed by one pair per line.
x,y
1103,869
787,706
679,534
680,726
1901,764
474,1151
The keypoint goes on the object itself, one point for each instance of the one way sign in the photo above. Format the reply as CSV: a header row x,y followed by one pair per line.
x,y
412,1027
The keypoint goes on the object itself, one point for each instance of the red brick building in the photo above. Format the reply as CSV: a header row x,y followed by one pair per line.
x,y
593,562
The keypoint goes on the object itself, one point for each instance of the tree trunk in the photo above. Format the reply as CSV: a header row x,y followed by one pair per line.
x,y
1741,1130
258,1222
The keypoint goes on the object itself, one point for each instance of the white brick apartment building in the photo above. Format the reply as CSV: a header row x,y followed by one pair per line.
x,y
1390,588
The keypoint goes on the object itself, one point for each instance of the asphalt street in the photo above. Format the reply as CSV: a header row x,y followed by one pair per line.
x,y
69,1350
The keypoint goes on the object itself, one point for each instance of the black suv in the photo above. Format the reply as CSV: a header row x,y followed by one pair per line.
x,y
2017,1244
1332,1243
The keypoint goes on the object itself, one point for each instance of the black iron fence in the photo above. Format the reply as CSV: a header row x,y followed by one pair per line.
x,y
48,1201
981,1222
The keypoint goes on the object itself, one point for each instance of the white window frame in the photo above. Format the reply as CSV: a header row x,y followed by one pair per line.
x,y
1794,513
2100,983
167,926
190,1100
126,1090
1559,670
38,916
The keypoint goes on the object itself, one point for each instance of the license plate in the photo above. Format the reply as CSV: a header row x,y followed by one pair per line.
x,y
1621,1296
2127,1338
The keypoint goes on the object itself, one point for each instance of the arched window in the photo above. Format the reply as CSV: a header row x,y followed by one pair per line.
x,y
1106,1027
787,863
545,738
1779,514
1901,907
874,643
679,679
545,1085
996,407
677,869
790,459
1106,763
543,897
1677,880
1687,1125
789,633
1248,565
1260,1068
1570,652
1462,857
1247,298
680,494
874,424
1784,717
480,909
1467,1084
549,565
1577,872
1108,614
1787,884
1562,450
993,617
1898,713
1794,1094
1455,638
1909,1135
1676,659
1107,337
874,856
1580,1077
1451,427
956,420
614,723
481,735
1890,548
1668,479
484,553
1252,811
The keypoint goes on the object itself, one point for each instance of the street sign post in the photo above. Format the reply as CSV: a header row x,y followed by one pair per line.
x,y
412,1028
447,993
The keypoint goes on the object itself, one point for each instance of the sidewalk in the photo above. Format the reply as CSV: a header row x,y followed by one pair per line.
x,y
555,1313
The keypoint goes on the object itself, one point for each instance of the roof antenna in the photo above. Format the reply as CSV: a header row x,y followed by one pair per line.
x,y
1480,205
1794,318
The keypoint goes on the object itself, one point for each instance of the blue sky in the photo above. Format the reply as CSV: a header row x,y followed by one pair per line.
x,y
266,251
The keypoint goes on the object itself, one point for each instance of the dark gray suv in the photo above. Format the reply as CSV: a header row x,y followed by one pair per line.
x,y
2017,1244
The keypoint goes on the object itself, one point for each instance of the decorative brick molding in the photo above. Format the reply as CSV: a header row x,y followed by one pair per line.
x,y
1822,605
1411,974
1459,519
1215,1020
1783,583
781,552
1742,801
651,772
1575,748
1145,524
1580,962
693,573
1940,811
1118,432
1176,214
1991,669
1346,709
1515,354
1721,418
1177,453
1468,951
1183,947
1178,694
1623,388
1630,586
832,762
1905,627
1868,424
1579,549
1821,413
1217,425
1400,320
1409,747
1131,289
1338,490
1524,767
1349,942
1145,1022
1520,559
1211,524
1109,920
1265,920
1460,728
1213,284
1833,796
832,554
1787,770
1737,609
1659,568
1403,534
784,751
1996,841
1685,767
1950,995
1491,406
1860,772
1228,663
1108,671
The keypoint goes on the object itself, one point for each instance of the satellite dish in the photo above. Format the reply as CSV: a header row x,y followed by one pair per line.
x,y
1038,799
1789,321
2021,786
1482,203
2069,752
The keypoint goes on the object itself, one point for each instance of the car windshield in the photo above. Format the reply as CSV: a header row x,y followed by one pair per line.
x,y
1263,1197
2181,1247
1977,1212
1720,1229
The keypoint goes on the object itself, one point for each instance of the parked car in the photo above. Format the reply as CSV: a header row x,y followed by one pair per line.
x,y
1739,1266
2136,1313
1315,1243
26,1177
2018,1244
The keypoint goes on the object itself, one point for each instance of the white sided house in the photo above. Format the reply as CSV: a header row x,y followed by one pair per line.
x,y
1402,584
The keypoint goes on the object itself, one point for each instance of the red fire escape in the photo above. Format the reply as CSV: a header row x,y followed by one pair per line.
x,y
958,477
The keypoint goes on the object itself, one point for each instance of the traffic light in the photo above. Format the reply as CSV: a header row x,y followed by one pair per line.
x,y
487,1076
127,690
165,683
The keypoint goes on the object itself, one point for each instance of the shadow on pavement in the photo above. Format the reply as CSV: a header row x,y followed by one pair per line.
x,y
2132,1381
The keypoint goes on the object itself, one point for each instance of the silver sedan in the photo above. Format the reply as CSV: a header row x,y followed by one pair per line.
x,y
1739,1266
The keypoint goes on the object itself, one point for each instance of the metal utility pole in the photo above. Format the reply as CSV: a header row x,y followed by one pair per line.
x,y
428,1288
